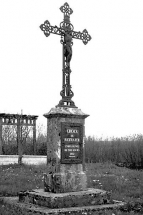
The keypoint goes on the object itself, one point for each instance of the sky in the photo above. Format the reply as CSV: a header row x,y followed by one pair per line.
x,y
107,73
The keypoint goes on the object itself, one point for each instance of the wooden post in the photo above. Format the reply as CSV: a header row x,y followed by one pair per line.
x,y
83,161
34,136
1,151
19,142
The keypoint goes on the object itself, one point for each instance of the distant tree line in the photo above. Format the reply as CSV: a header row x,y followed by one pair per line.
x,y
124,151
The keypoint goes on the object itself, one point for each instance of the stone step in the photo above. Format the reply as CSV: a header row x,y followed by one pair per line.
x,y
89,197
13,206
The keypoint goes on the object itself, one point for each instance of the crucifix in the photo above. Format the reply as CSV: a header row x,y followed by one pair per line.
x,y
67,33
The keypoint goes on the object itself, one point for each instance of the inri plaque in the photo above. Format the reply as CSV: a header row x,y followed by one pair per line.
x,y
71,143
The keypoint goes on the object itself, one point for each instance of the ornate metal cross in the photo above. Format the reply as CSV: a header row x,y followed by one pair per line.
x,y
67,33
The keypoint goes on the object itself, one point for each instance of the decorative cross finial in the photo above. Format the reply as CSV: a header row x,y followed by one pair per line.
x,y
66,9
67,34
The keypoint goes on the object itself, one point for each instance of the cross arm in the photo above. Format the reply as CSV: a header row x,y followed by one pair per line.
x,y
84,36
47,29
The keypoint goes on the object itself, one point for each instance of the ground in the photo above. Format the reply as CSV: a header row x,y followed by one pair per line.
x,y
125,184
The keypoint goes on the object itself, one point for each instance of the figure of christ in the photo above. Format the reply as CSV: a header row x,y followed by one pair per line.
x,y
67,45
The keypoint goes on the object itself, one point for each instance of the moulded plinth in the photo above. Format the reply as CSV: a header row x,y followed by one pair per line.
x,y
89,197
13,206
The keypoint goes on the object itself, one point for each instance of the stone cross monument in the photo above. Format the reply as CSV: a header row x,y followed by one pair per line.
x,y
65,183
65,122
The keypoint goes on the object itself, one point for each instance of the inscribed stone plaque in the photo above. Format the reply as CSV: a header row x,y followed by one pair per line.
x,y
71,143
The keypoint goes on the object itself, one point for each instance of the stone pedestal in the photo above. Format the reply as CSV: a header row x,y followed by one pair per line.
x,y
65,185
65,150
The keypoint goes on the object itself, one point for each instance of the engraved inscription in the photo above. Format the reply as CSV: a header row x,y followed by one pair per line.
x,y
71,139
72,143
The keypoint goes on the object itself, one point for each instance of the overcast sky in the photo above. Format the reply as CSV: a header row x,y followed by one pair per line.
x,y
107,73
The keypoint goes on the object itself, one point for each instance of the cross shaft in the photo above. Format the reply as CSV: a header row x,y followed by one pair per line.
x,y
67,34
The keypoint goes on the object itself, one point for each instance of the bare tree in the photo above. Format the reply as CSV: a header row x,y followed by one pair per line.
x,y
8,134
9,138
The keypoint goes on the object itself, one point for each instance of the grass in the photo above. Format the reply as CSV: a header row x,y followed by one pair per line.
x,y
14,178
122,182
125,184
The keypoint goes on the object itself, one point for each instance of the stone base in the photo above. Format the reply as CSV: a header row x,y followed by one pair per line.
x,y
68,180
89,197
13,206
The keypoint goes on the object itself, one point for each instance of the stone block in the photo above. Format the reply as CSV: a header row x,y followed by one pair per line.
x,y
13,206
89,197
69,179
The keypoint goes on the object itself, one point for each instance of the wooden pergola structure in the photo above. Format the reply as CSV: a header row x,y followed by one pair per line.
x,y
19,120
